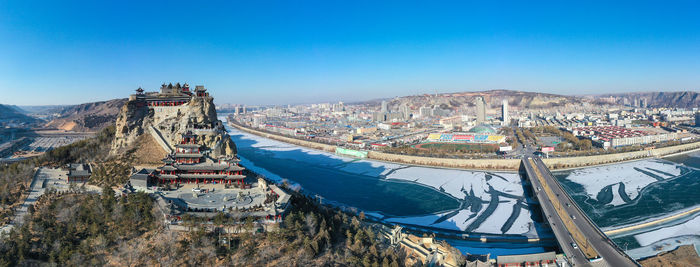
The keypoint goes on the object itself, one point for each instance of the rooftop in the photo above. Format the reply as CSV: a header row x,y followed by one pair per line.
x,y
482,129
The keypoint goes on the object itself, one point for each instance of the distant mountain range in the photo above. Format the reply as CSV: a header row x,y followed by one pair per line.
x,y
12,113
683,99
534,100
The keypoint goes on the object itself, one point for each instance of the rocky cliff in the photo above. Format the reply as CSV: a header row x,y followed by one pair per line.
x,y
197,116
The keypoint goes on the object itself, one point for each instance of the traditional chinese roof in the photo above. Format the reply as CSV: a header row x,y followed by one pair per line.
x,y
79,170
168,168
210,176
188,155
208,166
167,176
188,145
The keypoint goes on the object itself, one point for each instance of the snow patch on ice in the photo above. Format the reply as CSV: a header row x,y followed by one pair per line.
x,y
594,179
617,199
453,181
522,224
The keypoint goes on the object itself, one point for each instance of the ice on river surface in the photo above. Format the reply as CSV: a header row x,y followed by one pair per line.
x,y
634,175
491,202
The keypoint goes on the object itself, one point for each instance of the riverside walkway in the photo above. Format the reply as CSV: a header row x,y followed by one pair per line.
x,y
579,238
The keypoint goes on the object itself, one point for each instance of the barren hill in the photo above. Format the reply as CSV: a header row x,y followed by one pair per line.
x,y
682,99
87,117
493,98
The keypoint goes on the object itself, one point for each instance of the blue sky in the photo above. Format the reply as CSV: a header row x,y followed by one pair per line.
x,y
68,52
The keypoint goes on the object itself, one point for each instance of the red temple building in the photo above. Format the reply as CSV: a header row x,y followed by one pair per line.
x,y
190,164
169,96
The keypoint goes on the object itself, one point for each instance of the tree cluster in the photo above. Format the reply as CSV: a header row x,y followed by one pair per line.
x,y
77,229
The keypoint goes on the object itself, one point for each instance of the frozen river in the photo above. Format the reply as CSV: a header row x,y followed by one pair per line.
x,y
491,203
434,198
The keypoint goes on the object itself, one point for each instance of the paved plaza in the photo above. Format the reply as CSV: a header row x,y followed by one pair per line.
x,y
216,196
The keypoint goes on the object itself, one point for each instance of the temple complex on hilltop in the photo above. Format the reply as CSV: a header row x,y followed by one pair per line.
x,y
169,95
200,174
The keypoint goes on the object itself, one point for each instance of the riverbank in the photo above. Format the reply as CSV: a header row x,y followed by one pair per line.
x,y
655,222
491,164
598,160
470,164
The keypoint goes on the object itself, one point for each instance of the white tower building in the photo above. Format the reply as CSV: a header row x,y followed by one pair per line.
x,y
504,112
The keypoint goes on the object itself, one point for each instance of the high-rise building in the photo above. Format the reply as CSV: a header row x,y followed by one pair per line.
x,y
385,107
405,111
697,119
644,103
480,109
424,112
504,112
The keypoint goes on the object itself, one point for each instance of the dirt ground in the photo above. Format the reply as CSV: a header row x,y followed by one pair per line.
x,y
148,152
682,256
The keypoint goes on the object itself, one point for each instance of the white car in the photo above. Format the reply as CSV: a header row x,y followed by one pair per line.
x,y
197,190
574,245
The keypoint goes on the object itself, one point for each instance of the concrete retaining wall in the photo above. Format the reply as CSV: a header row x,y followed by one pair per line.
x,y
575,162
490,164
160,140
309,144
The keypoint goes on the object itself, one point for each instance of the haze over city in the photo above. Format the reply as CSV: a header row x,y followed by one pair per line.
x,y
267,53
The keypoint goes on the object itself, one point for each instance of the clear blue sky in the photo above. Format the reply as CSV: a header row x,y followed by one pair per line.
x,y
66,52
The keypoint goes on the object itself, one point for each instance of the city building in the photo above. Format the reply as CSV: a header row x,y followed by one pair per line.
x,y
615,136
504,112
480,109
424,112
405,111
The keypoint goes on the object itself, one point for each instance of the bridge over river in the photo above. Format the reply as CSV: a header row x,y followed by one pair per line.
x,y
579,238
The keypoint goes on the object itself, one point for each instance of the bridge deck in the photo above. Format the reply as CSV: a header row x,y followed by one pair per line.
x,y
578,236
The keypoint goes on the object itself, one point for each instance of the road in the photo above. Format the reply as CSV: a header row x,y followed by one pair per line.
x,y
35,190
562,212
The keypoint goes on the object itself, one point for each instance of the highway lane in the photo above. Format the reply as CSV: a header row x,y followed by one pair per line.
x,y
611,254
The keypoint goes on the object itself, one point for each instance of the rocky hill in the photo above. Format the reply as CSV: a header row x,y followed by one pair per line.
x,y
198,115
683,99
86,117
